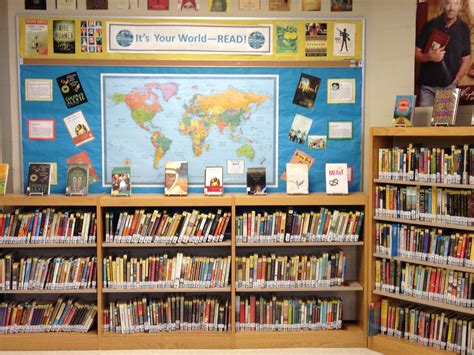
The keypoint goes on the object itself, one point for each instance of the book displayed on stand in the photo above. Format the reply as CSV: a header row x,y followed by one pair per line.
x,y
404,110
445,107
176,178
4,167
256,181
121,181
214,180
77,179
39,179
297,179
337,179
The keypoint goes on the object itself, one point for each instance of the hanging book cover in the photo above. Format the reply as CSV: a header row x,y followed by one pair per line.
x,y
36,37
158,5
66,4
445,107
287,39
307,90
124,4
121,181
97,4
39,179
3,177
71,89
404,110
35,4
176,178
77,181
78,128
256,181
214,180
64,36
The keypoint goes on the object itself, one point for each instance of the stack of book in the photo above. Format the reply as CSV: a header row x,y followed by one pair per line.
x,y
287,314
422,325
42,273
65,315
425,204
164,271
453,165
162,227
275,271
426,244
48,226
173,313
291,226
430,283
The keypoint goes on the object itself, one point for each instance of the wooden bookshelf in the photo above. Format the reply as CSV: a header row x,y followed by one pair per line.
x,y
421,183
48,292
49,341
168,290
424,223
223,244
49,246
389,345
299,245
351,286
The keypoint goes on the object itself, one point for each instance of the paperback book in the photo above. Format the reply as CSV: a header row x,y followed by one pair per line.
x,y
404,110
77,179
71,89
256,181
39,179
297,179
214,180
336,179
3,177
121,181
445,107
78,128
306,90
64,36
176,178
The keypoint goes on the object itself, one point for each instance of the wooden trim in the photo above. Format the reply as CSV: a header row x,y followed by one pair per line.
x,y
456,131
419,183
225,243
48,246
423,223
167,290
352,286
306,244
389,345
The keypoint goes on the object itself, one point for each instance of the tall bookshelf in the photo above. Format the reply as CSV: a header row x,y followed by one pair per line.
x,y
352,334
443,137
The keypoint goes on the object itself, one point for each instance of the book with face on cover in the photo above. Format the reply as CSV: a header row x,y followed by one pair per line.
x,y
214,180
297,181
121,181
176,178
3,177
39,179
445,107
256,181
77,181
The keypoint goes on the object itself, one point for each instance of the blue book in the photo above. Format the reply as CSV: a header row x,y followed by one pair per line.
x,y
394,241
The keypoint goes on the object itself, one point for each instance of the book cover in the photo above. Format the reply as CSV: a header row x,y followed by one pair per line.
x,y
38,179
97,4
218,5
78,128
77,181
256,181
66,4
306,91
91,36
3,177
341,5
214,180
64,36
287,39
176,178
299,157
158,4
445,107
336,179
36,37
436,40
83,158
121,181
404,110
316,39
71,89
297,181
249,5
35,4
279,5
310,5
124,4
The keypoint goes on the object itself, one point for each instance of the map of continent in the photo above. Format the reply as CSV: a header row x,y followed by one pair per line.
x,y
205,120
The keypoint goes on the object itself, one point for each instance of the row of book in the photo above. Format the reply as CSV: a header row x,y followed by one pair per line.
x,y
454,165
166,228
175,312
287,314
261,271
292,226
64,315
437,284
47,226
166,271
425,244
440,329
425,204
44,273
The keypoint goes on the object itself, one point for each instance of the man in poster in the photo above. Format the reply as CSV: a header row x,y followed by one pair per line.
x,y
443,66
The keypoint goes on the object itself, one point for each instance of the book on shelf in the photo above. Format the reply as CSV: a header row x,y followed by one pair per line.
x,y
425,282
166,271
337,179
163,227
445,107
39,179
404,110
176,178
437,39
77,179
297,180
48,273
214,180
292,226
374,318
48,225
276,271
262,313
121,181
3,177
173,313
63,315
256,181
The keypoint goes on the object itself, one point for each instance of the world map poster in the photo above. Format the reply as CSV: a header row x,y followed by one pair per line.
x,y
207,119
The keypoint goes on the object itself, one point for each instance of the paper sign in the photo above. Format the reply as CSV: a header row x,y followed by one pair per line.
x,y
38,90
41,129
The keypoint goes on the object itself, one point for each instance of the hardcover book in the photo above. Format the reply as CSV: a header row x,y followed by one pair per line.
x,y
121,181
64,37
176,178
336,179
214,180
297,181
445,107
39,176
71,89
77,181
436,40
78,128
3,177
256,181
306,90
404,110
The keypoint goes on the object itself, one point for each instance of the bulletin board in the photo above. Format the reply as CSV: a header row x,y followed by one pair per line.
x,y
222,112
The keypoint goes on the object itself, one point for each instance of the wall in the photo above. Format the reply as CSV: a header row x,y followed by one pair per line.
x,y
390,39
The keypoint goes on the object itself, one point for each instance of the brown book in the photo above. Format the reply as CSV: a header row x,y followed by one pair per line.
x,y
437,39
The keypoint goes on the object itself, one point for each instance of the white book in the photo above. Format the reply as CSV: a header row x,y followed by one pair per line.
x,y
336,179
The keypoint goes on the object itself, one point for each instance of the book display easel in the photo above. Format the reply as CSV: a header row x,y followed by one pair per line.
x,y
351,289
414,175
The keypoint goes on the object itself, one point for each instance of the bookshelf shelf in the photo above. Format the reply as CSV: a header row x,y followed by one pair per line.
x,y
389,345
419,183
351,286
226,243
423,223
314,199
154,200
168,290
47,246
297,245
427,263
48,292
49,341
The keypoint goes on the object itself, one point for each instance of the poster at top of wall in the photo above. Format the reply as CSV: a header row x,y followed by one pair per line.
x,y
310,5
344,39
218,5
279,5
35,4
64,36
341,5
36,37
66,4
188,5
316,39
159,5
286,39
249,5
97,4
124,4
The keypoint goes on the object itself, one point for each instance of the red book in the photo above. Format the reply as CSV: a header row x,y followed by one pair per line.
x,y
158,4
436,40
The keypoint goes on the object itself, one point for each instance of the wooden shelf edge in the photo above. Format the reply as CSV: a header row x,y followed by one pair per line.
x,y
352,286
160,200
312,199
167,290
48,292
283,245
457,131
420,183
157,245
393,346
49,341
424,223
47,246
53,200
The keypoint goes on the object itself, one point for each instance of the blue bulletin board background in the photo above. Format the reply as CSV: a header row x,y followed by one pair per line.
x,y
58,150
